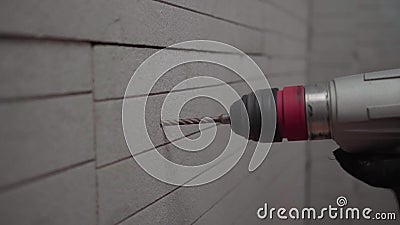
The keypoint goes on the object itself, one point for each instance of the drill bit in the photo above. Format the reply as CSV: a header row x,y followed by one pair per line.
x,y
222,119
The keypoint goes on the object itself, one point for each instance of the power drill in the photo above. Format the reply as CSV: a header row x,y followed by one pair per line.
x,y
360,112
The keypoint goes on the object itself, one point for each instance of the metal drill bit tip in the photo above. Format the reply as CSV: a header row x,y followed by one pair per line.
x,y
222,119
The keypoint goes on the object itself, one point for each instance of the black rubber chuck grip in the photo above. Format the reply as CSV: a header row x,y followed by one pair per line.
x,y
250,106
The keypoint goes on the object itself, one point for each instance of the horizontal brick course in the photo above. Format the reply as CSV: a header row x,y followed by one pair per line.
x,y
37,68
64,198
44,135
140,22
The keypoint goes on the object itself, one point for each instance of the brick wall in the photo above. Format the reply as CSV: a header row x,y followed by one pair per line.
x,y
349,37
64,67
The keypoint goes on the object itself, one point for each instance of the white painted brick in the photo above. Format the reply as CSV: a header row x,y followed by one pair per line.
x,y
31,68
373,58
280,180
338,57
333,65
44,135
125,188
122,194
324,154
65,198
286,65
379,35
378,16
277,20
334,7
282,72
250,13
295,7
206,155
135,22
275,44
289,79
186,204
325,45
286,191
376,6
262,62
381,3
114,67
327,180
325,74
334,26
110,143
